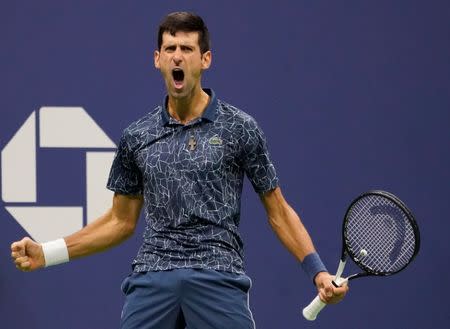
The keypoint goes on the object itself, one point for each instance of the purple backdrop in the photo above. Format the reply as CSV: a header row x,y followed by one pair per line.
x,y
352,96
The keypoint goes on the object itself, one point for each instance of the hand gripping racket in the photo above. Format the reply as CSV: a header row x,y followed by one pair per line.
x,y
379,234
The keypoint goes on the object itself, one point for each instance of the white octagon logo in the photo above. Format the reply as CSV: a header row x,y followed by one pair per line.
x,y
59,127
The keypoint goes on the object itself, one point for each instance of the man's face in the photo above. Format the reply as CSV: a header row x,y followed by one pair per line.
x,y
181,62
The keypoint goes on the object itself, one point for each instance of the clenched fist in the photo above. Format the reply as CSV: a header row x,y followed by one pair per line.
x,y
327,291
27,255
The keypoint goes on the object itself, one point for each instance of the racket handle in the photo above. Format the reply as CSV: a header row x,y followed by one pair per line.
x,y
310,312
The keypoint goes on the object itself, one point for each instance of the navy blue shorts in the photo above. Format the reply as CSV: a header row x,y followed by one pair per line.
x,y
186,298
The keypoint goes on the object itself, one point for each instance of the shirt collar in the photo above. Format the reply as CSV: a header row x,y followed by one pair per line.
x,y
210,113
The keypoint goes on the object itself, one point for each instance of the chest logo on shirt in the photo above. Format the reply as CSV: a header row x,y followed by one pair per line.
x,y
215,140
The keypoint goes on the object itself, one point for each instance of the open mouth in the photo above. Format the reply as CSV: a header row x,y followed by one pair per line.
x,y
178,77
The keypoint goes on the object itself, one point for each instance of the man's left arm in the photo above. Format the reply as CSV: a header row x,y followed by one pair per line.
x,y
294,236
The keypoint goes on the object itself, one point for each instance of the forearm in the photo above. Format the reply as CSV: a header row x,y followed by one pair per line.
x,y
104,233
288,227
115,226
290,230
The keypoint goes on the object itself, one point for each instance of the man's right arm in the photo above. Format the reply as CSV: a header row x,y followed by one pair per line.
x,y
109,230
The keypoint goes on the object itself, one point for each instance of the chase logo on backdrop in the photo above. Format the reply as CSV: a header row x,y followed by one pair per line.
x,y
55,127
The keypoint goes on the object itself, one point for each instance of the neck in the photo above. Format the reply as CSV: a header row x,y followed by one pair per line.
x,y
185,109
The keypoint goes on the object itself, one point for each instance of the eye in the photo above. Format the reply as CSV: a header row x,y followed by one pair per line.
x,y
170,49
186,49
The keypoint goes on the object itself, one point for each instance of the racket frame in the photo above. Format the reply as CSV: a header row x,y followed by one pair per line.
x,y
346,252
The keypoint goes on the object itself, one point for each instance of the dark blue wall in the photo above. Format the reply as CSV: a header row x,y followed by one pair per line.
x,y
352,96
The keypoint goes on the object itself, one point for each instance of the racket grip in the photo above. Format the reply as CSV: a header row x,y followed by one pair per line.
x,y
311,311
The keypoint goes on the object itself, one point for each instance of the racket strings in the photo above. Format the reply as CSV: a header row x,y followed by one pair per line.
x,y
377,258
390,238
380,228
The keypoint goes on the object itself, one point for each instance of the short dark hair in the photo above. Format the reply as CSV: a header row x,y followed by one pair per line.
x,y
185,22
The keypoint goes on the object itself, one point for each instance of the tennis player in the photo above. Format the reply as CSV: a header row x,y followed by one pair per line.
x,y
184,164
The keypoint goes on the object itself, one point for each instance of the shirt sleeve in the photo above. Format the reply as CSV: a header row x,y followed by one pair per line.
x,y
125,176
256,159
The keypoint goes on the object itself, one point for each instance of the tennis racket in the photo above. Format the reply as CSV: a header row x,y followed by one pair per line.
x,y
379,234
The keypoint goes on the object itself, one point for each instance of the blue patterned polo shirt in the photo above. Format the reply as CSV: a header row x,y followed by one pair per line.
x,y
191,177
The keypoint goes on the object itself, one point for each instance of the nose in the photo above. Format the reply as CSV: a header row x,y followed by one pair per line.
x,y
177,56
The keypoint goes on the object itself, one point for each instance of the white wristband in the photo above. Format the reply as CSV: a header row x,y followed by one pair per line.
x,y
55,252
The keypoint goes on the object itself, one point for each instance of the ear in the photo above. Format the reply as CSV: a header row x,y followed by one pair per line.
x,y
206,60
156,59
